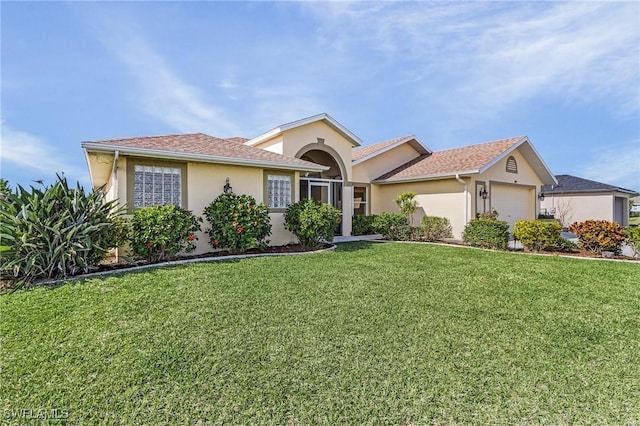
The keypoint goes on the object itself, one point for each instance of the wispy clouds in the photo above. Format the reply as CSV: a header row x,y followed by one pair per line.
x,y
491,55
36,154
160,92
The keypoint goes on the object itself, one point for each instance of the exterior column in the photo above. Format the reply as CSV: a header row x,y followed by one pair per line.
x,y
347,209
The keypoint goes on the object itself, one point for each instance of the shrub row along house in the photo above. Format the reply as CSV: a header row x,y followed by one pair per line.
x,y
318,158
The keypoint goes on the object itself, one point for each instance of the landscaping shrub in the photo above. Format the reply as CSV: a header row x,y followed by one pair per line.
x,y
537,235
160,232
393,226
487,233
407,204
312,222
632,235
238,222
599,235
53,232
362,225
492,215
436,228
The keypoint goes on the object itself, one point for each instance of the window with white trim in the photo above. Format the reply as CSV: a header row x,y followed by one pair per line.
x,y
278,191
359,200
156,186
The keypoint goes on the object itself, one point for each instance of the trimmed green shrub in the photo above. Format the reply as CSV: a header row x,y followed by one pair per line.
x,y
436,228
537,235
160,232
312,222
238,223
362,225
393,226
487,233
632,235
53,232
598,235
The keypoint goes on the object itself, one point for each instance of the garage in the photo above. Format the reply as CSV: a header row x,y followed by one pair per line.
x,y
513,202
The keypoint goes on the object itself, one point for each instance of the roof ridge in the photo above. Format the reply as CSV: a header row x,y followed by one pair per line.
x,y
515,139
150,137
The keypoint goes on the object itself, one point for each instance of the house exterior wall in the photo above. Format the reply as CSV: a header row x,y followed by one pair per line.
x,y
205,182
377,166
578,207
444,198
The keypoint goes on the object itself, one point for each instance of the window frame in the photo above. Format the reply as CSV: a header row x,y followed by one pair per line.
x,y
133,162
292,191
367,195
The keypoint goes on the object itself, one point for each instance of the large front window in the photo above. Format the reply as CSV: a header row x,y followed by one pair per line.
x,y
156,185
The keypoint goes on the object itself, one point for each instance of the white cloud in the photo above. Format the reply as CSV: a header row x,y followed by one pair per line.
x,y
161,93
34,153
488,56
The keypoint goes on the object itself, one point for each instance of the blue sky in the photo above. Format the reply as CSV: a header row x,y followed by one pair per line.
x,y
452,73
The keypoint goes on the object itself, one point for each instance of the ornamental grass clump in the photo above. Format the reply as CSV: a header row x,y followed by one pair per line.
x,y
238,223
312,222
160,232
54,232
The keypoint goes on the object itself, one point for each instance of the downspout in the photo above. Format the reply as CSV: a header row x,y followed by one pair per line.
x,y
466,199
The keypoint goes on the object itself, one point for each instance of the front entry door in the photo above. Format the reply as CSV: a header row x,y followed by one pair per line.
x,y
325,190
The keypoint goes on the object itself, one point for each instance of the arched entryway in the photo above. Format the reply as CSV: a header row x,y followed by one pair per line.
x,y
325,186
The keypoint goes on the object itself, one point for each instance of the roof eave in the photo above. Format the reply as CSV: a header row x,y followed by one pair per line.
x,y
541,168
332,122
204,158
418,146
448,175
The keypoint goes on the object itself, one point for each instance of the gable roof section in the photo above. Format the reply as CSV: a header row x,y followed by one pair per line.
x,y
472,159
202,148
330,121
364,153
569,183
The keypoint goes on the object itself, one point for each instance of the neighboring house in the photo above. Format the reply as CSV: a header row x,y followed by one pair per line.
x,y
575,199
318,158
635,208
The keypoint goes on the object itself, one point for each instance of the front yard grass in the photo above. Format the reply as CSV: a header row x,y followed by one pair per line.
x,y
371,333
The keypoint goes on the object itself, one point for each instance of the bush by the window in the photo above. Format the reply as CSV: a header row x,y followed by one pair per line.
x,y
160,232
362,225
599,235
393,226
436,228
537,235
238,222
53,232
487,233
312,222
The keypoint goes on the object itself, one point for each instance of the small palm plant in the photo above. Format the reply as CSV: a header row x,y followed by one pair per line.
x,y
407,204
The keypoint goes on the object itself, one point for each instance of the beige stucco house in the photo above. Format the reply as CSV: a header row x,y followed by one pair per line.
x,y
575,199
317,157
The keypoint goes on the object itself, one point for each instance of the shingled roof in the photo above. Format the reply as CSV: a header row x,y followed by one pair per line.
x,y
201,147
365,152
568,183
468,159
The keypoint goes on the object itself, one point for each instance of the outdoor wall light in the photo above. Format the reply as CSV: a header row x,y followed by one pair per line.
x,y
484,194
227,187
541,196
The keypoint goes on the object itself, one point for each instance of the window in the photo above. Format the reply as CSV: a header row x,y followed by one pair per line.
x,y
359,200
512,166
156,185
278,191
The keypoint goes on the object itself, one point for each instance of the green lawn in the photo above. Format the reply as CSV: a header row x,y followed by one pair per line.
x,y
368,334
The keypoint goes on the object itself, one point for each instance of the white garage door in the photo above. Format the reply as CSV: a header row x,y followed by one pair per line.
x,y
512,203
